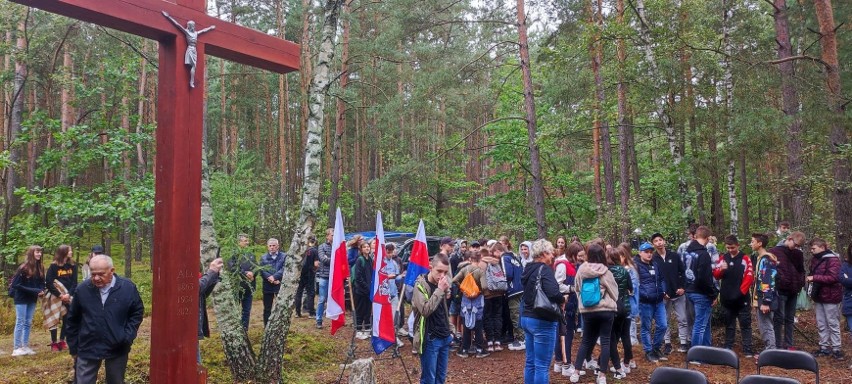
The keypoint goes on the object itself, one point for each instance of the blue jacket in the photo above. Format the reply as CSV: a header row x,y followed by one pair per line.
x,y
846,281
274,267
103,331
634,299
513,270
652,286
26,289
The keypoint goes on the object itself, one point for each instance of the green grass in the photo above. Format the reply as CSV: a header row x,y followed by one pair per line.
x,y
308,350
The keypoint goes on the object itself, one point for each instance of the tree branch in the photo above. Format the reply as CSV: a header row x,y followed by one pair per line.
x,y
463,139
485,53
127,43
772,4
799,57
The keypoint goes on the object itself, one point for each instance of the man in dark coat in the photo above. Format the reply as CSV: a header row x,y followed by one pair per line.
x,y
789,282
206,283
700,287
102,323
672,271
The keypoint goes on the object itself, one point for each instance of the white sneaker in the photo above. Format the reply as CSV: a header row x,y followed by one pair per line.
x,y
601,379
619,373
402,332
19,352
557,367
399,342
497,347
573,374
517,346
632,364
362,335
29,351
568,369
590,365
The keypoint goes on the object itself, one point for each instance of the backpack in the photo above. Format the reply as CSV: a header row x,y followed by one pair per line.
x,y
12,283
495,278
468,287
590,292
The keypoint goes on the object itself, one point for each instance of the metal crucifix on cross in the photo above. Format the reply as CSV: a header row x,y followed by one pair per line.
x,y
177,212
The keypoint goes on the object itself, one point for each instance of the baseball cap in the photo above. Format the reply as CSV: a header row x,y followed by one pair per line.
x,y
474,244
98,249
656,235
646,246
446,240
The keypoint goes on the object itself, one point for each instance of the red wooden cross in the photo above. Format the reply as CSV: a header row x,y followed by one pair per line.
x,y
177,212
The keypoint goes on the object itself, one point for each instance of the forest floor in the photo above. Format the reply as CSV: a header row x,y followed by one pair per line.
x,y
314,356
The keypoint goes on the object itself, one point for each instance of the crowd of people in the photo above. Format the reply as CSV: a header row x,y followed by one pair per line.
x,y
481,296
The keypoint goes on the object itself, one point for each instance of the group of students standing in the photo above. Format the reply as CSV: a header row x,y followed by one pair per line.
x,y
55,286
602,289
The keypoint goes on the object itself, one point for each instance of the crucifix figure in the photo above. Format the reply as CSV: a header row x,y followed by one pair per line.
x,y
180,120
190,58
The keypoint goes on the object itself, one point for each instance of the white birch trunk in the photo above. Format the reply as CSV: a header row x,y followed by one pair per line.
x,y
728,97
275,337
660,103
238,351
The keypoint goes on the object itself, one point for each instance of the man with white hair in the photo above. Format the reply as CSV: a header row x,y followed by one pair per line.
x,y
102,323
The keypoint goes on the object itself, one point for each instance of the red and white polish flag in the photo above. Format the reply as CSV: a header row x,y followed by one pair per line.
x,y
384,334
338,273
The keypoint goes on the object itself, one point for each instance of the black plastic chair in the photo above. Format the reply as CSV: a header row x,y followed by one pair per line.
x,y
671,375
788,360
763,379
713,356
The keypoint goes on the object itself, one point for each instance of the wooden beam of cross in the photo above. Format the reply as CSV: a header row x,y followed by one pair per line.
x,y
177,212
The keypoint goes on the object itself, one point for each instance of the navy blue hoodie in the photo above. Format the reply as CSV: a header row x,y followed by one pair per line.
x,y
699,270
513,270
26,289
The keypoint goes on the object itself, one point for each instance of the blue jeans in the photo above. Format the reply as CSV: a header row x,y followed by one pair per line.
x,y
23,322
540,339
323,293
656,313
703,308
434,359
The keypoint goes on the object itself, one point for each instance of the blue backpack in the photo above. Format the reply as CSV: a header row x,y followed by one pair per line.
x,y
590,292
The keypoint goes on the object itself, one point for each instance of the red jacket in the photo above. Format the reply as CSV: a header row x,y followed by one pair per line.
x,y
735,281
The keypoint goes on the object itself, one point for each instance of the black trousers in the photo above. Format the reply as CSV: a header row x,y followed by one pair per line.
x,y
596,324
743,315
363,312
493,318
620,332
785,316
473,336
268,301
306,289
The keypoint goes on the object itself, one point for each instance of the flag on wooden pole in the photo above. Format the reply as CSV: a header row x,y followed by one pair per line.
x,y
384,334
418,262
339,271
